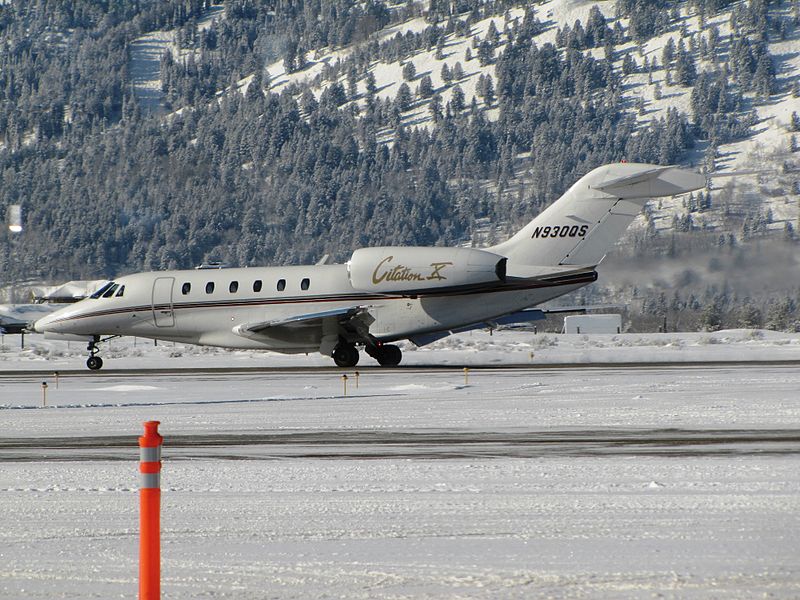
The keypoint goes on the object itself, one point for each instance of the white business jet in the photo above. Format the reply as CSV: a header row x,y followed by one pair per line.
x,y
381,295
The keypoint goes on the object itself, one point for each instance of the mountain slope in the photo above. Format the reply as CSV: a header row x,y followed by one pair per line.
x,y
287,132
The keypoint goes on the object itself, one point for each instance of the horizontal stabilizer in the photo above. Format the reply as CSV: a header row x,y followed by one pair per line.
x,y
652,183
581,309
517,271
522,316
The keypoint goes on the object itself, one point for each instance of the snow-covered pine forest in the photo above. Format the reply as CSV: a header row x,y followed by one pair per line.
x,y
160,134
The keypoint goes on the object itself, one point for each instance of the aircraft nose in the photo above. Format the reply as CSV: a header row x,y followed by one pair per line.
x,y
43,325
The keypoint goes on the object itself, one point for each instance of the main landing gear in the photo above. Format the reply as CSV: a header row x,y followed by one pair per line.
x,y
94,362
345,354
387,355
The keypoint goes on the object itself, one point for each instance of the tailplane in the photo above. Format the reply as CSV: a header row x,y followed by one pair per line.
x,y
581,227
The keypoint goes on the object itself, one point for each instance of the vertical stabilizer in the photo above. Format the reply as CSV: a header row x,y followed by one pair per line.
x,y
580,227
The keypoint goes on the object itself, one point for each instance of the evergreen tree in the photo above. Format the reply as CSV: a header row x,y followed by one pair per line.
x,y
409,71
352,84
628,64
425,89
685,70
750,317
488,90
711,319
485,53
436,108
457,101
668,53
370,84
447,77
404,98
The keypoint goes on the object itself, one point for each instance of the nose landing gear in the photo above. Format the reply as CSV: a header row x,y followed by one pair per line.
x,y
94,362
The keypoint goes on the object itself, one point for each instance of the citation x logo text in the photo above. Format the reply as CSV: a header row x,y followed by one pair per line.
x,y
385,272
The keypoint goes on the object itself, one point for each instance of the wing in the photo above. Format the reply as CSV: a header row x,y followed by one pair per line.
x,y
356,319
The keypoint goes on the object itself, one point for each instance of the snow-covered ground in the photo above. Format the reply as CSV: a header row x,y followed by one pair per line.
x,y
145,68
553,485
145,63
473,348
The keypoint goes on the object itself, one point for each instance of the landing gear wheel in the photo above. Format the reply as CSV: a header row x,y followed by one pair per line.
x,y
345,355
94,363
388,355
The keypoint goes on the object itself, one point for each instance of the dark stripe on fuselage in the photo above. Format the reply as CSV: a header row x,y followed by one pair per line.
x,y
248,303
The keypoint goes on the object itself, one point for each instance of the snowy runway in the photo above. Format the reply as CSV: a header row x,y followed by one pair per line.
x,y
551,482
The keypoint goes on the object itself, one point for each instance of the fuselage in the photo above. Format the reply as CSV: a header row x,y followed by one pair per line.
x,y
206,306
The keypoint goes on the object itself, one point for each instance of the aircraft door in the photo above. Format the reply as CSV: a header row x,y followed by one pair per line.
x,y
163,315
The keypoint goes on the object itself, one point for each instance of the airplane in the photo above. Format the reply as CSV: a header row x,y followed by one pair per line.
x,y
382,294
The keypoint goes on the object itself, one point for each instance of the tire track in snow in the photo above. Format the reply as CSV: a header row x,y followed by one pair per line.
x,y
416,444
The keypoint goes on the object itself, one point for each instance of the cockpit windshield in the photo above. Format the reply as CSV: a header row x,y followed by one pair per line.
x,y
110,291
103,290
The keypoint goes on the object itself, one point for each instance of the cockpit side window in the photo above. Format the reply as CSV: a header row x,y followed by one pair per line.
x,y
110,291
102,290
121,292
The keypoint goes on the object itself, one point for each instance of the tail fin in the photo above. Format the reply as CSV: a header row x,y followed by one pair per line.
x,y
581,226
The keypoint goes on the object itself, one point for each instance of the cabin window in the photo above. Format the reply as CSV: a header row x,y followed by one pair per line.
x,y
281,285
110,291
186,288
257,285
305,284
210,287
233,287
121,292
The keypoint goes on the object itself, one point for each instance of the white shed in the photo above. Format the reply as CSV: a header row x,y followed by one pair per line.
x,y
593,324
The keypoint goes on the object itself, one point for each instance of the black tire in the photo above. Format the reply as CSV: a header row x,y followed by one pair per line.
x,y
389,355
345,355
95,363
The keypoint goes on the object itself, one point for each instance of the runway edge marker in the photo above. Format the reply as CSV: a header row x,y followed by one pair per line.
x,y
150,512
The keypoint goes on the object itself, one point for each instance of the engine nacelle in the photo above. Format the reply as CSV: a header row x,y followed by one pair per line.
x,y
399,269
